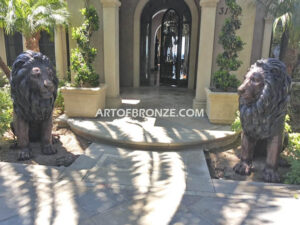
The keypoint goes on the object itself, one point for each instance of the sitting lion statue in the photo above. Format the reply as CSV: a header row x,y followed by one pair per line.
x,y
263,100
33,90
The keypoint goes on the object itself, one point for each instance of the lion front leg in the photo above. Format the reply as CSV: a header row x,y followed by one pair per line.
x,y
245,165
46,138
274,148
21,130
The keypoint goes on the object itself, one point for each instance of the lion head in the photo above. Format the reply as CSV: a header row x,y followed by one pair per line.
x,y
264,95
33,86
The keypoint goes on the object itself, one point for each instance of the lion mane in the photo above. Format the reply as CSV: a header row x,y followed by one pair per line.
x,y
265,116
28,102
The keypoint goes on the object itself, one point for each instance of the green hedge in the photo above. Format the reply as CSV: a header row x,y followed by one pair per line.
x,y
293,176
6,109
59,102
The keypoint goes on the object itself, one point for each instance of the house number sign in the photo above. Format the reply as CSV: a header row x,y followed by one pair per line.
x,y
223,11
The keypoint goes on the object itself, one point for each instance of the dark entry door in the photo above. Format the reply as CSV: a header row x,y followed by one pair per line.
x,y
170,48
171,42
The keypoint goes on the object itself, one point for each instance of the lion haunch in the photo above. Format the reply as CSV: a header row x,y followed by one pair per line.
x,y
264,96
33,89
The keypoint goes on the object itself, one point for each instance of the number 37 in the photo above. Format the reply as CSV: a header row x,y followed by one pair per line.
x,y
223,11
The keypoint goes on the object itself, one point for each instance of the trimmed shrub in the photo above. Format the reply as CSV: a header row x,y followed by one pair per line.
x,y
236,125
228,61
83,56
59,102
293,176
3,80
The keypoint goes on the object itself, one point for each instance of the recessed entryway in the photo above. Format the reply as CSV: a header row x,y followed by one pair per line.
x,y
165,44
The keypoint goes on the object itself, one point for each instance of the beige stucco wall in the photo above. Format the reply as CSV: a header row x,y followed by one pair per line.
x,y
246,34
76,19
127,11
258,33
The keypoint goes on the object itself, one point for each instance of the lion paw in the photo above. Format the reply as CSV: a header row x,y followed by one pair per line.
x,y
271,175
48,150
24,154
242,168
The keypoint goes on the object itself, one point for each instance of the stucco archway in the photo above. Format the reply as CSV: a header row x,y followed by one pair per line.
x,y
136,41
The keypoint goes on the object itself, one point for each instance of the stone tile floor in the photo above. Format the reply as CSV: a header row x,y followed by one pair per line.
x,y
110,185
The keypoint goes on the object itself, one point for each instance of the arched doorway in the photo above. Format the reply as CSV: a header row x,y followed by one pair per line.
x,y
165,43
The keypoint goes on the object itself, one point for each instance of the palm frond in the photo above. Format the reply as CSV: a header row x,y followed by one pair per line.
x,y
284,20
59,19
10,18
29,16
43,10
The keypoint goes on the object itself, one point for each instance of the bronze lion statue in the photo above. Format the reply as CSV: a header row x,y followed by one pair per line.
x,y
33,90
263,99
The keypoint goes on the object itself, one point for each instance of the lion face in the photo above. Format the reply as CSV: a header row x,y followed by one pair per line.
x,y
41,81
253,84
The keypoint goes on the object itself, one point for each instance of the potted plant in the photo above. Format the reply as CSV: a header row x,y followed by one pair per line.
x,y
222,98
87,97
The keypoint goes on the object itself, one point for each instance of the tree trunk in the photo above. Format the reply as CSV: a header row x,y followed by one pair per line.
x,y
284,44
288,54
290,59
5,68
32,42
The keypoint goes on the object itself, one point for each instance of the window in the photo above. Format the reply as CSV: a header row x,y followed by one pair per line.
x,y
14,47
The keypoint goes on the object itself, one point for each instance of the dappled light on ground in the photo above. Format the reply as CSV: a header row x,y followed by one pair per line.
x,y
149,131
157,202
111,186
131,101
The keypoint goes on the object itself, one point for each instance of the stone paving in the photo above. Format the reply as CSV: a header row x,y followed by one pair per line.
x,y
110,185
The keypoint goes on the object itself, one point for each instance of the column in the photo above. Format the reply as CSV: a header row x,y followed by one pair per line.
x,y
24,43
2,46
111,51
205,54
267,37
60,44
